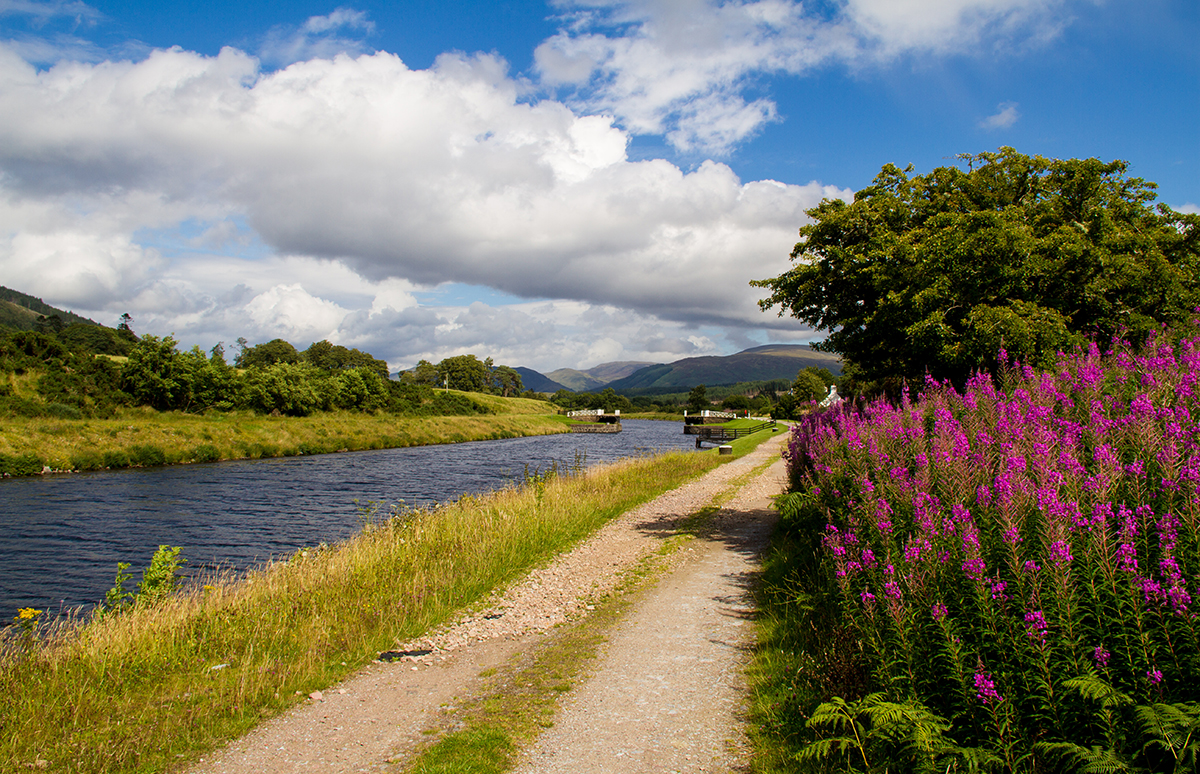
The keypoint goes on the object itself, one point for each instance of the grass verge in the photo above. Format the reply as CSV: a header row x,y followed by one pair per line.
x,y
783,675
145,436
146,688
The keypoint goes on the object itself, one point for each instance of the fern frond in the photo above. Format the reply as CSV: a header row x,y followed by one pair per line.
x,y
1095,688
1084,760
825,749
1169,725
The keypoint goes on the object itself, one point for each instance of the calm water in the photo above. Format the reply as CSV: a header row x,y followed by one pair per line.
x,y
63,535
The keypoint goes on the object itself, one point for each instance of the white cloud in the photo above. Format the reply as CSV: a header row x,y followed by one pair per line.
x,y
1005,116
682,68
320,37
428,176
41,13
895,27
1188,208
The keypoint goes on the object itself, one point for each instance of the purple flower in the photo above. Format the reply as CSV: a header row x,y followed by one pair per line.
x,y
975,568
1060,553
939,611
1101,656
1154,675
1035,626
985,688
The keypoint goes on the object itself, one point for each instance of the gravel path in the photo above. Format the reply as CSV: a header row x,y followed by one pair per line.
x,y
668,689
666,692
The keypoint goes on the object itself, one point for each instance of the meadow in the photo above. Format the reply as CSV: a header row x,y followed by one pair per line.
x,y
997,578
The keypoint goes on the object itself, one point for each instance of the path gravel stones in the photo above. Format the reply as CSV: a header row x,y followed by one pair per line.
x,y
665,695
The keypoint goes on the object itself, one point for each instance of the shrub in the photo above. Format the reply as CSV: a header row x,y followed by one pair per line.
x,y
146,455
88,459
161,578
61,411
20,465
116,459
206,452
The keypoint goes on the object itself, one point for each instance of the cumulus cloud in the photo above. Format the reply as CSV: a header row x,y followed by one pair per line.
x,y
1005,116
1192,209
430,176
682,68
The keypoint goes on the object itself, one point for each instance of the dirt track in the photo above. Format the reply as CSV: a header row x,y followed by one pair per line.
x,y
665,694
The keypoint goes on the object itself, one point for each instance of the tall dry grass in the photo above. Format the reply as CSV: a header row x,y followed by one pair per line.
x,y
146,688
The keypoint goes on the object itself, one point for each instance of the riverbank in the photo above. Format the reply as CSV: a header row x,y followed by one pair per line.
x,y
29,446
144,689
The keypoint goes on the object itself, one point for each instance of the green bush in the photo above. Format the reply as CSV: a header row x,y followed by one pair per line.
x,y
61,411
116,459
88,459
206,452
146,455
18,406
318,447
22,465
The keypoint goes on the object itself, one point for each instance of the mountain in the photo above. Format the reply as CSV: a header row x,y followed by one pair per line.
x,y
532,380
772,361
598,377
20,311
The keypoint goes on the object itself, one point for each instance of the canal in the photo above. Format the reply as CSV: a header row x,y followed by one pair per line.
x,y
64,534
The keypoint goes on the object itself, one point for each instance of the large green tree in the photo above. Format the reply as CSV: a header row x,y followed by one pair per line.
x,y
937,273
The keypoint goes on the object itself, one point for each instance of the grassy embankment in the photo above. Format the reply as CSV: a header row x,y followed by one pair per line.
x,y
149,687
147,437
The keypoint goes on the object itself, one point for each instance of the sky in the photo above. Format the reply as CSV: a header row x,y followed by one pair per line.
x,y
552,185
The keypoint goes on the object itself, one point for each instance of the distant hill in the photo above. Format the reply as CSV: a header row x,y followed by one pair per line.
x,y
773,361
532,380
596,378
20,311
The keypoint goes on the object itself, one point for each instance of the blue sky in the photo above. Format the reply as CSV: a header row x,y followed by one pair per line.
x,y
551,185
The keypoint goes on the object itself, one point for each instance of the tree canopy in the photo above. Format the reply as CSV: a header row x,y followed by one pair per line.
x,y
938,273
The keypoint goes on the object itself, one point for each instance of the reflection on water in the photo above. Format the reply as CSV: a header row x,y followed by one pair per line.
x,y
63,535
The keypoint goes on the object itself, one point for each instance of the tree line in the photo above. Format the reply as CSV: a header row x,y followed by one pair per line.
x,y
74,374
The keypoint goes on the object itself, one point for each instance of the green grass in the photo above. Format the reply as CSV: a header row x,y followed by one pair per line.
x,y
145,436
137,691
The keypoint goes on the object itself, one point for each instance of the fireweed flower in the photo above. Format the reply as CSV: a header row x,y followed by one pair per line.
x,y
1154,676
1035,626
1101,656
985,688
939,611
1060,553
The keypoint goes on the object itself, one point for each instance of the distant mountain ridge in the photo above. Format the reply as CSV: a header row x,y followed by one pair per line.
x,y
538,382
597,377
770,361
